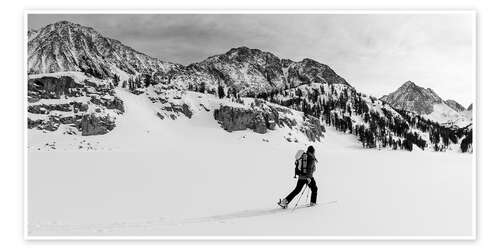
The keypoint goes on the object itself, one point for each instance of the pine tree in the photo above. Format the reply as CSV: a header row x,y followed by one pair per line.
x,y
220,92
116,80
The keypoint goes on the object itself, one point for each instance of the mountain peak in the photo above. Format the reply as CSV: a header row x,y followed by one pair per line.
x,y
62,25
409,84
251,72
239,50
412,97
243,53
65,23
67,46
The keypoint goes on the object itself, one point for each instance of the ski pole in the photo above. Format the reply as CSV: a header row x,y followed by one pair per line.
x,y
307,196
299,198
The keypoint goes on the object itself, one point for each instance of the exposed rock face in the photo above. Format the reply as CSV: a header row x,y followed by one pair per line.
x,y
251,72
96,125
46,108
66,107
34,123
52,124
53,87
176,108
411,97
264,117
455,105
66,46
110,103
470,107
234,119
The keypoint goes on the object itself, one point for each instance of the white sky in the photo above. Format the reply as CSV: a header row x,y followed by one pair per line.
x,y
376,53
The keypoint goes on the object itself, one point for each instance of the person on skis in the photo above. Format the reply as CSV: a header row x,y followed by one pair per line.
x,y
306,167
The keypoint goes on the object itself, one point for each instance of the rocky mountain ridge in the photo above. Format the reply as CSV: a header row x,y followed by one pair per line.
x,y
252,72
243,89
66,46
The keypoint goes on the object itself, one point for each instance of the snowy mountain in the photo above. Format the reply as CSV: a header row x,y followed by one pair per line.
x,y
250,72
241,89
411,97
424,101
66,46
122,144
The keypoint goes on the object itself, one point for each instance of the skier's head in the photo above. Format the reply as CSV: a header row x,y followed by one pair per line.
x,y
310,149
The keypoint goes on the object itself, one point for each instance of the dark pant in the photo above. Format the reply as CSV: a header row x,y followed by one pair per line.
x,y
298,188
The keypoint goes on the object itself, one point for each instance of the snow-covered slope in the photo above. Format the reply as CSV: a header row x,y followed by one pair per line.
x,y
66,46
168,105
185,177
443,113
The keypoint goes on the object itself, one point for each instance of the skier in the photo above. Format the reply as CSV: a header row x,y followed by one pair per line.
x,y
305,178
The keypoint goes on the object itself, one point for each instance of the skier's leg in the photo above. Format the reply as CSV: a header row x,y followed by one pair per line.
x,y
298,188
314,190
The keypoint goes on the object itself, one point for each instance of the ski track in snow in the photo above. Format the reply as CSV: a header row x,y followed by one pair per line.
x,y
164,222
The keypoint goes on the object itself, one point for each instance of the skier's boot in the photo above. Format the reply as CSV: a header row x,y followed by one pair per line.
x,y
312,204
283,203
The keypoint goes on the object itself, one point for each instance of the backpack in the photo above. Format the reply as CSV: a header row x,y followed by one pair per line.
x,y
300,163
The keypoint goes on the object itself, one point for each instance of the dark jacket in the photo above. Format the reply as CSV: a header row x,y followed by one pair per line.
x,y
310,167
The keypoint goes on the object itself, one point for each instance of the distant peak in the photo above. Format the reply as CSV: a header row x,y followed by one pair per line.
x,y
409,84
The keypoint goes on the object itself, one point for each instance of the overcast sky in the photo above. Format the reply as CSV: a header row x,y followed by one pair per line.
x,y
375,53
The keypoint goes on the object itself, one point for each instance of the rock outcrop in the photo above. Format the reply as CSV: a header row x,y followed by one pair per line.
x,y
96,125
234,119
52,88
110,102
57,100
262,118
178,109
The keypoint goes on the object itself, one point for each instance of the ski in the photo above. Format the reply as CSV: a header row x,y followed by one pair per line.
x,y
307,205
